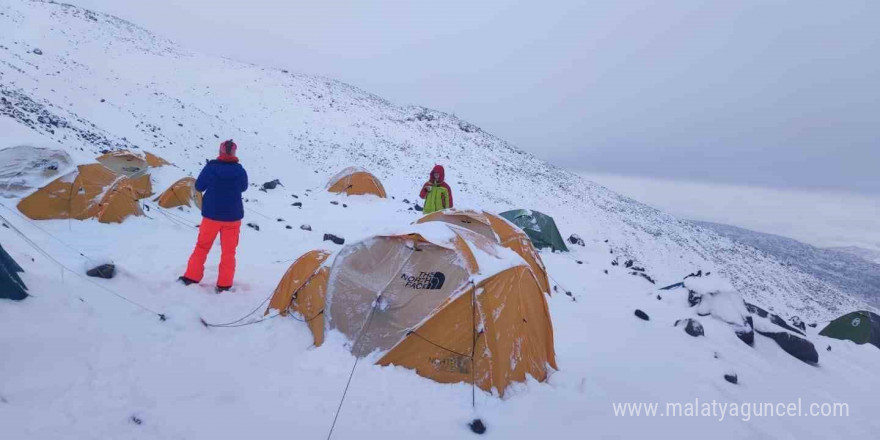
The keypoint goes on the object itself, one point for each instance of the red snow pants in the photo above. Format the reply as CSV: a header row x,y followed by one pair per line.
x,y
208,230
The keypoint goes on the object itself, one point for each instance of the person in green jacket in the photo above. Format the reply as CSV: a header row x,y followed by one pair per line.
x,y
436,192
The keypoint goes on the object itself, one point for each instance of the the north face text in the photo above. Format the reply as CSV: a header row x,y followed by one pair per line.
x,y
424,280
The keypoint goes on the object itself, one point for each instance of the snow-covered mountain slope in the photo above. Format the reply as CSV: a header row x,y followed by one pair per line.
x,y
78,362
101,82
845,269
865,254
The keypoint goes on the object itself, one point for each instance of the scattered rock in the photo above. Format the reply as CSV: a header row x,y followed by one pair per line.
x,y
659,297
645,276
136,420
694,298
477,426
344,205
579,261
306,227
796,322
272,184
642,315
698,273
406,201
297,204
254,226
334,202
614,263
813,325
37,52
691,327
334,239
294,196
103,100
606,271
417,207
731,378
795,346
716,355
628,264
576,239
288,227
280,219
829,348
746,333
106,271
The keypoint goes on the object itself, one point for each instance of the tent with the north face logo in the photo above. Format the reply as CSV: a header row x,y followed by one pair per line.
x,y
445,301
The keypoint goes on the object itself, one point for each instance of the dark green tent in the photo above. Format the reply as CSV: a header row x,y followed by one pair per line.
x,y
539,227
11,285
860,327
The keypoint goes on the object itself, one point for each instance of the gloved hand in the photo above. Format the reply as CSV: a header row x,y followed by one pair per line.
x,y
428,188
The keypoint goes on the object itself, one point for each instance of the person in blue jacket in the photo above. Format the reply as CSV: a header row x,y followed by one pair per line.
x,y
221,181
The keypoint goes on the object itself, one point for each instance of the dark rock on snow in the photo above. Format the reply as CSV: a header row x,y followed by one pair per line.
x,y
297,204
576,239
105,271
272,184
417,207
694,298
254,226
731,378
306,227
642,315
797,323
280,219
334,239
691,327
334,202
746,333
477,426
38,52
288,227
795,346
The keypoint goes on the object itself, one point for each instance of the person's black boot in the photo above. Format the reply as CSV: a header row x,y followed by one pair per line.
x,y
186,281
220,289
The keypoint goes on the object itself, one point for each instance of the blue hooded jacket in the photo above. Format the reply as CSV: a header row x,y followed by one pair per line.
x,y
222,184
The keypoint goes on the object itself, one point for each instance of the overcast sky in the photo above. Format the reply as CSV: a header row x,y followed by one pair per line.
x,y
763,92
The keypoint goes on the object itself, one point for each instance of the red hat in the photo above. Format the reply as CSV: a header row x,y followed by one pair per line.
x,y
227,149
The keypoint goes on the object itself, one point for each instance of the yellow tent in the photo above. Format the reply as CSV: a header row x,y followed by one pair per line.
x,y
180,193
356,181
500,231
439,299
92,191
302,290
154,161
131,165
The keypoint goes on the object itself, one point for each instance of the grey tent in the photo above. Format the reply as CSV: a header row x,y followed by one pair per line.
x,y
11,285
539,227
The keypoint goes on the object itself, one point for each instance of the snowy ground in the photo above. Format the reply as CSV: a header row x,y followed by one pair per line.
x,y
79,362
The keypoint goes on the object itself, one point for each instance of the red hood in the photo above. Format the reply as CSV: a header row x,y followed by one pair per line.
x,y
437,169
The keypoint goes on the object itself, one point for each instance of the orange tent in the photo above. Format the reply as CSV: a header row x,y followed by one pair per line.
x,y
92,191
131,165
302,290
180,193
439,299
154,161
500,231
356,181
